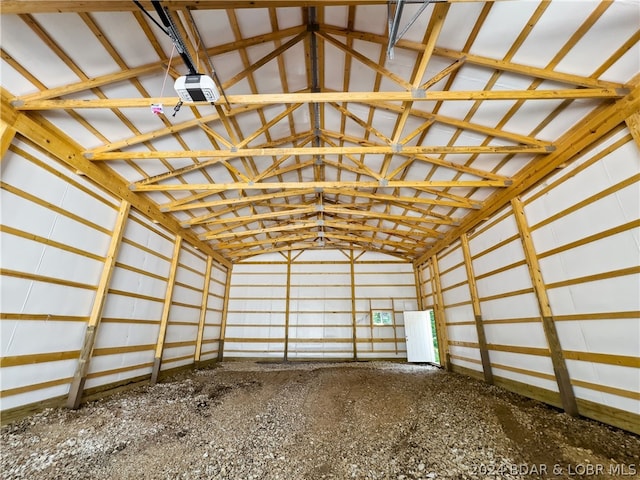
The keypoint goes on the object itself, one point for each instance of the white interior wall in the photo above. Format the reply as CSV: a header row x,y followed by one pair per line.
x,y
589,261
382,284
583,222
458,308
509,308
61,225
126,338
256,311
321,309
55,234
186,305
213,316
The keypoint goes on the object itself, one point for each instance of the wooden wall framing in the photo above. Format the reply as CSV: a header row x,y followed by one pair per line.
x,y
324,310
507,261
91,358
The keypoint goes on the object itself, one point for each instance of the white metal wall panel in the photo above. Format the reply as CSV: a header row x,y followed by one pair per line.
x,y
257,302
184,312
130,323
320,306
593,284
320,321
48,289
506,294
458,309
213,318
383,284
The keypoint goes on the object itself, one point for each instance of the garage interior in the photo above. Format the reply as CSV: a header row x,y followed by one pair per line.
x,y
214,204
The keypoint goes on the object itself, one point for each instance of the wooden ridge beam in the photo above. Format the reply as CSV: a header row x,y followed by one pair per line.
x,y
326,97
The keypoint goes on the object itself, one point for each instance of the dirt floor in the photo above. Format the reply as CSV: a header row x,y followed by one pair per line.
x,y
382,420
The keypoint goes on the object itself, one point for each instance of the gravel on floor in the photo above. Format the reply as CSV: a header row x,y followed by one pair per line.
x,y
365,420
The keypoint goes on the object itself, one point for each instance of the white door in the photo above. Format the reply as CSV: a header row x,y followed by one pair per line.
x,y
417,328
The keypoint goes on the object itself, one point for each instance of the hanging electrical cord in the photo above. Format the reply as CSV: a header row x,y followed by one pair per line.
x,y
211,68
194,87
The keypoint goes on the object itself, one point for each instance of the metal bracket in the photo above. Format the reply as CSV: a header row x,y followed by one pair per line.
x,y
418,93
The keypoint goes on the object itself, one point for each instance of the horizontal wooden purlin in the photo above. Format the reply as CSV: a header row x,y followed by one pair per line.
x,y
415,235
29,359
326,97
312,151
220,187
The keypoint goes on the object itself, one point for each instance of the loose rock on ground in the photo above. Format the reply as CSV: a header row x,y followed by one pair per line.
x,y
377,420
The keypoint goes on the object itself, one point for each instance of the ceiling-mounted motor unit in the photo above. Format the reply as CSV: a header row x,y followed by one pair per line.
x,y
196,88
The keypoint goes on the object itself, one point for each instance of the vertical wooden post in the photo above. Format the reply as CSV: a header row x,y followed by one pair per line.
x,y
477,312
559,365
441,324
7,132
633,124
353,306
80,375
164,320
225,312
287,309
417,273
203,309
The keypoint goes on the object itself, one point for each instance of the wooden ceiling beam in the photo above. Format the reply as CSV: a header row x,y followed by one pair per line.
x,y
325,97
220,187
71,6
413,235
276,151
252,218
